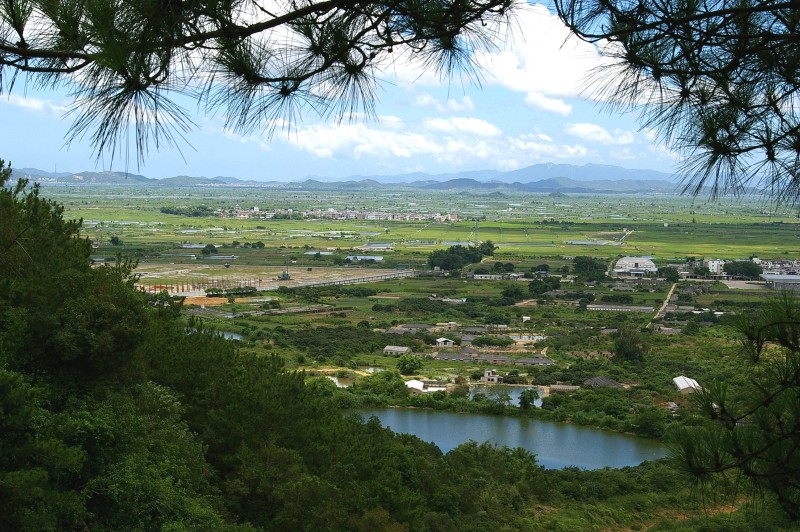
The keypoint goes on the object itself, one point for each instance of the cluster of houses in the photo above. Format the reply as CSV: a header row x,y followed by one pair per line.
x,y
334,214
351,214
446,346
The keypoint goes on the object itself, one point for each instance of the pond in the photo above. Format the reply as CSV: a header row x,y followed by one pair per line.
x,y
555,444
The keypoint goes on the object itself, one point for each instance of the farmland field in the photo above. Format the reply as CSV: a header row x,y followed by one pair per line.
x,y
523,226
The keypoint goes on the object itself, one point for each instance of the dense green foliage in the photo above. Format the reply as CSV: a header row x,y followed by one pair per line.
x,y
540,285
486,340
743,268
198,211
225,292
458,256
629,344
669,273
589,268
409,364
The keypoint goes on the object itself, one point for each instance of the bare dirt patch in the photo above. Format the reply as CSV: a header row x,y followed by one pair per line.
x,y
206,301
745,285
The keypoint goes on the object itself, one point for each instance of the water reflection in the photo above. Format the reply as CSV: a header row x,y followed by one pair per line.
x,y
555,444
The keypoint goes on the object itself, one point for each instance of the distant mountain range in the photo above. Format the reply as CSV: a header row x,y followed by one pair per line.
x,y
540,178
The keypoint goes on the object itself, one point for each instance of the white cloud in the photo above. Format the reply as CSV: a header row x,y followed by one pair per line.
x,y
258,140
357,140
544,151
36,104
405,70
451,105
622,154
554,105
465,104
544,59
474,126
456,143
426,100
596,133
391,121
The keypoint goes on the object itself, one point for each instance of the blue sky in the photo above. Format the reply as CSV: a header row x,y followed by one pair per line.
x,y
532,107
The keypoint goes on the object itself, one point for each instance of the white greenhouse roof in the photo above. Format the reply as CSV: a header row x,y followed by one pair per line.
x,y
683,383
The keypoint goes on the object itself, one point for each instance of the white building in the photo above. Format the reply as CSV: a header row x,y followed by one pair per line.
x,y
634,266
715,266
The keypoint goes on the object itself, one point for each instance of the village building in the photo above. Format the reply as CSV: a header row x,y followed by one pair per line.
x,y
444,342
620,308
533,361
396,350
490,376
456,357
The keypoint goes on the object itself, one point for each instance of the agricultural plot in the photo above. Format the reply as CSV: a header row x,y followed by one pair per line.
x,y
193,280
522,225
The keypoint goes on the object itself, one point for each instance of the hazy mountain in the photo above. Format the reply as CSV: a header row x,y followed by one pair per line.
x,y
556,184
478,175
542,178
86,178
538,172
36,172
587,172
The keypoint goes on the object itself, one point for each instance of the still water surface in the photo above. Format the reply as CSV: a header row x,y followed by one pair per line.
x,y
555,444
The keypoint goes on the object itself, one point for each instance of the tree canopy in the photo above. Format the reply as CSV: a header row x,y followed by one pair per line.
x,y
717,80
743,268
259,65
